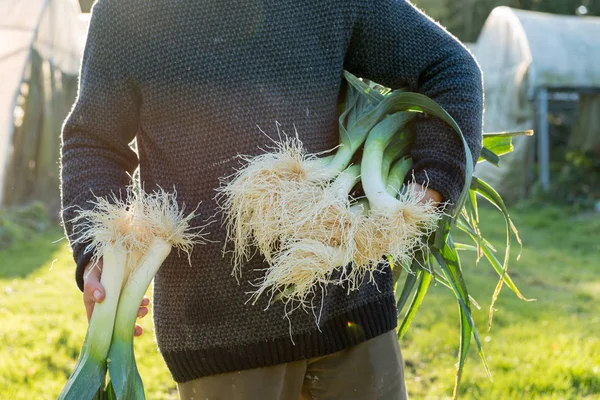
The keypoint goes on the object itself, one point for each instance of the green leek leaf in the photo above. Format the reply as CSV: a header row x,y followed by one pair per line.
x,y
494,198
507,134
407,288
449,261
489,156
424,281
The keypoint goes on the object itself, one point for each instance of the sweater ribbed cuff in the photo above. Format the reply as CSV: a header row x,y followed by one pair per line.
x,y
345,330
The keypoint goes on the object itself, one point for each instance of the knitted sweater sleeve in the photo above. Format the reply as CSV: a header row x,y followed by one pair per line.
x,y
396,45
96,159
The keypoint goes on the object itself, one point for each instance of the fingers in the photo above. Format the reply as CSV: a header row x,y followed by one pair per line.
x,y
93,292
428,194
138,330
142,312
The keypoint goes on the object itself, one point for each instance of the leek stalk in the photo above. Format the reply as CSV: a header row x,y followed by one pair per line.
x,y
90,371
122,367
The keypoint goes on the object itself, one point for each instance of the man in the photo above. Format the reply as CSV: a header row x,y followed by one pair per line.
x,y
191,81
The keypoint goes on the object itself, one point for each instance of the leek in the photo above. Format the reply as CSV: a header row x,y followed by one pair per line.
x,y
89,374
124,375
107,228
133,237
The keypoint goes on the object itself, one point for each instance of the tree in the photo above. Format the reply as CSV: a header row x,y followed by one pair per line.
x,y
465,18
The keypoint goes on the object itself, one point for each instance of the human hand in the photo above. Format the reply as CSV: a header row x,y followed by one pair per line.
x,y
93,293
430,194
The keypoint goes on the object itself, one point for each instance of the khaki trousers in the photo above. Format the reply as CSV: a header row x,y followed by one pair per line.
x,y
372,370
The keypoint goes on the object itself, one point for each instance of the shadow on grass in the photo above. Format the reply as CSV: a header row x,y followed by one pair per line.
x,y
26,257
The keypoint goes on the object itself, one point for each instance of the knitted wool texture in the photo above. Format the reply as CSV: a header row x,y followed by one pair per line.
x,y
193,81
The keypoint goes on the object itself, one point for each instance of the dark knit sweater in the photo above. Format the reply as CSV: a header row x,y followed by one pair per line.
x,y
193,81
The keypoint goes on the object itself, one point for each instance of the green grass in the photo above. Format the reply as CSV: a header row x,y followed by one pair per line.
x,y
547,349
43,324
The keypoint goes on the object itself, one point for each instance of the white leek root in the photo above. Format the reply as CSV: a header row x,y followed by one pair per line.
x,y
403,224
258,199
323,248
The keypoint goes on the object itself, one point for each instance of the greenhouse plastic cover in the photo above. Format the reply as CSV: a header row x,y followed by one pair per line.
x,y
520,51
61,31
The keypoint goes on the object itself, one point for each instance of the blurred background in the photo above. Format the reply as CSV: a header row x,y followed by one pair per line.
x,y
541,64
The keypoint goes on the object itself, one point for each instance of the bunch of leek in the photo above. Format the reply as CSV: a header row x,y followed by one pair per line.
x,y
295,209
260,201
133,237
437,258
323,236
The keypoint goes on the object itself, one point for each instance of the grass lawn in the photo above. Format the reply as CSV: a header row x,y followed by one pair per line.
x,y
43,325
547,349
